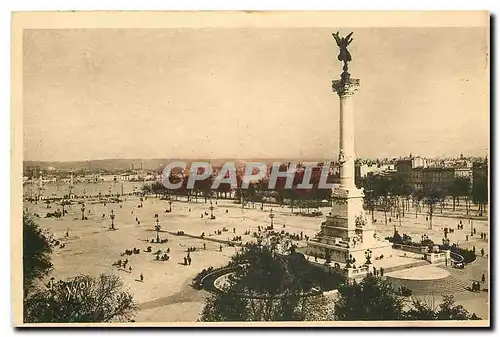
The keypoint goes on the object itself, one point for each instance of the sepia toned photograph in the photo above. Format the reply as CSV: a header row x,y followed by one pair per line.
x,y
251,169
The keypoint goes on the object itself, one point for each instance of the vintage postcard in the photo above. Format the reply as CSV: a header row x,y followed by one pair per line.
x,y
251,169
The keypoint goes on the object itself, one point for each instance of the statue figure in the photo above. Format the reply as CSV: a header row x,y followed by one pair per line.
x,y
344,55
342,158
343,42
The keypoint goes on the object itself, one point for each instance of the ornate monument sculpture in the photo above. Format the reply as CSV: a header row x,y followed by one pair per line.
x,y
344,55
347,231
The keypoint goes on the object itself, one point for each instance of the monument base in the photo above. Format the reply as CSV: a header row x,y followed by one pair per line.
x,y
339,254
348,233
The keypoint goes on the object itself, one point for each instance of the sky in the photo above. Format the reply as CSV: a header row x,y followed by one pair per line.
x,y
251,93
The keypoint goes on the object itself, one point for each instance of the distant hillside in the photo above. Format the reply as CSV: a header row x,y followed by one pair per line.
x,y
148,164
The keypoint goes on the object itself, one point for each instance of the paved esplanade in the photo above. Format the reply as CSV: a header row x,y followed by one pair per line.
x,y
165,294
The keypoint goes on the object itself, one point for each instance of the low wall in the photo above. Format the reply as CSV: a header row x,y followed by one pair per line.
x,y
438,257
353,273
412,249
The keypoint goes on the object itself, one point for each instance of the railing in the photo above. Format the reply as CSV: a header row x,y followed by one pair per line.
x,y
456,258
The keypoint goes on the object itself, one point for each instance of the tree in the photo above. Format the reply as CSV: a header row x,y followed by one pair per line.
x,y
157,188
402,190
375,299
383,192
447,310
370,202
84,299
36,253
432,196
269,287
459,188
417,196
480,193
420,311
371,299
146,189
224,306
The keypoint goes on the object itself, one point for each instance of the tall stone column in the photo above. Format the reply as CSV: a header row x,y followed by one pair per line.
x,y
348,203
345,88
347,233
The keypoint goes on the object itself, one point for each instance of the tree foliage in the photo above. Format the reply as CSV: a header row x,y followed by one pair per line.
x,y
268,287
36,253
84,299
447,310
375,299
371,299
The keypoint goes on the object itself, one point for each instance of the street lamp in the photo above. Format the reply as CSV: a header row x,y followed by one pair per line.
x,y
170,205
157,228
368,255
211,210
63,203
83,211
112,216
141,199
471,228
271,216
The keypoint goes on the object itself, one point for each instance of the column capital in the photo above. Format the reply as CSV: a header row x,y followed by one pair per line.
x,y
345,87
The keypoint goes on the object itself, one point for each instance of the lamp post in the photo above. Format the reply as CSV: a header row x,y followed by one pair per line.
x,y
471,227
157,228
62,205
271,216
83,211
170,205
141,199
211,210
368,255
112,216
40,187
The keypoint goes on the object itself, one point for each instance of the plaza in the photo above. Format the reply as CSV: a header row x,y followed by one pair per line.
x,y
165,293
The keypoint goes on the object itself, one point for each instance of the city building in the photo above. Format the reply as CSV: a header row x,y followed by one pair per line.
x,y
439,177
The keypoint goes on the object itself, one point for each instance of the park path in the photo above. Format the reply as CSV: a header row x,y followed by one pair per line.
x,y
187,294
